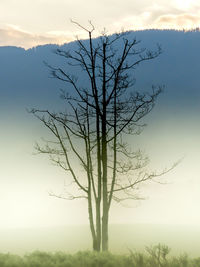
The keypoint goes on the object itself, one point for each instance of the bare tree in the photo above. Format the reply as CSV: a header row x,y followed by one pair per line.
x,y
100,114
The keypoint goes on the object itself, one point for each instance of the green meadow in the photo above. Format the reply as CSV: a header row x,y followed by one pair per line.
x,y
154,256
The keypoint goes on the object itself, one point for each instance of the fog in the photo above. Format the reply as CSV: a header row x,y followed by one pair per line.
x,y
172,133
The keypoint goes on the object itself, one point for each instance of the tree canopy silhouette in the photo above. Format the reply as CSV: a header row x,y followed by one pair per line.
x,y
102,109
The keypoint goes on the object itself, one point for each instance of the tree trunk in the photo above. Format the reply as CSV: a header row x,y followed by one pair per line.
x,y
98,224
105,231
105,193
98,199
92,228
104,160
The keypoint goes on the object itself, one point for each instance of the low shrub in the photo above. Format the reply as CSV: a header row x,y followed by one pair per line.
x,y
154,256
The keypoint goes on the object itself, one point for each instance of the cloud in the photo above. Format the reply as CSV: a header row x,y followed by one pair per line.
x,y
13,35
162,14
156,16
134,22
180,21
184,5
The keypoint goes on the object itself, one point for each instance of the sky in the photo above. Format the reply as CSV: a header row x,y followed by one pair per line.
x,y
29,23
25,200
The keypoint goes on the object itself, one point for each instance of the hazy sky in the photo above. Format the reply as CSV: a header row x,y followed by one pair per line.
x,y
28,23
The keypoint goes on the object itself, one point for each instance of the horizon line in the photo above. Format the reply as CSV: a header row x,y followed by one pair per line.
x,y
184,30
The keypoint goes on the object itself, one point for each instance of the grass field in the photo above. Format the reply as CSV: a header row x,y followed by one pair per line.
x,y
154,256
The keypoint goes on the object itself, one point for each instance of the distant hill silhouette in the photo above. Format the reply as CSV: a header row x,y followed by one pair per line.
x,y
24,79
